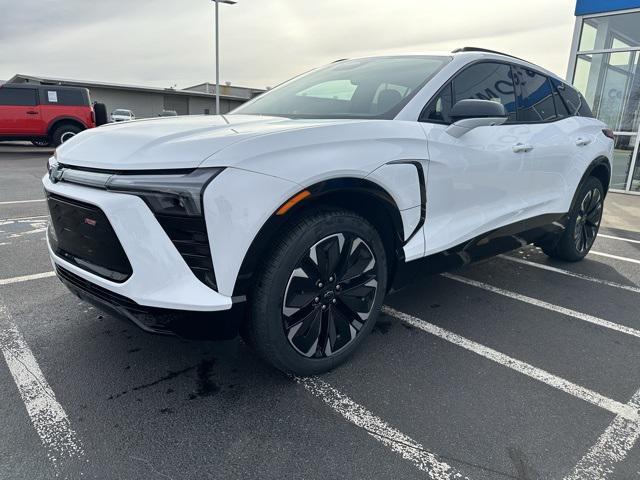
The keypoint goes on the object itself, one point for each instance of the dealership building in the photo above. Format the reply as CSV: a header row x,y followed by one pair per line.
x,y
605,66
146,102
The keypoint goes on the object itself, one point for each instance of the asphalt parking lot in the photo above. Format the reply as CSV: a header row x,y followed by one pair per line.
x,y
518,367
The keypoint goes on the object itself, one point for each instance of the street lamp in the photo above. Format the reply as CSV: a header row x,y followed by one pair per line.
x,y
228,2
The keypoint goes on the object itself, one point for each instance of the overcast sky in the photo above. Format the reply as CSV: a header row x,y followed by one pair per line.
x,y
263,42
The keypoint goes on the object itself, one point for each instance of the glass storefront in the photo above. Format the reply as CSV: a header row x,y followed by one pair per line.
x,y
606,69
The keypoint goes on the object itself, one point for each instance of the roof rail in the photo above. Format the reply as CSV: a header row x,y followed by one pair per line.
x,y
485,50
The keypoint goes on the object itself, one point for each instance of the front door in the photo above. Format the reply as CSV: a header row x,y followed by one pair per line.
x,y
478,182
19,112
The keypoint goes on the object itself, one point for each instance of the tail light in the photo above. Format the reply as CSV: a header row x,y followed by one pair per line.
x,y
93,116
608,133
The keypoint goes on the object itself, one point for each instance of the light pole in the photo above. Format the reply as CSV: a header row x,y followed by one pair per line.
x,y
228,2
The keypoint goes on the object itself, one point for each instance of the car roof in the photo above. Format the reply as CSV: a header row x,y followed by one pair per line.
x,y
471,54
33,86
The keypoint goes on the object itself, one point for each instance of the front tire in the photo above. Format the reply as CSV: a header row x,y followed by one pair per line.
x,y
583,224
318,294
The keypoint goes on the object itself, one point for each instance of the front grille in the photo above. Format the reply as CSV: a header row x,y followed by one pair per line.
x,y
81,234
189,236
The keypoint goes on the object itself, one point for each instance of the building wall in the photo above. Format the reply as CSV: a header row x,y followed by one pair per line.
x,y
142,104
147,104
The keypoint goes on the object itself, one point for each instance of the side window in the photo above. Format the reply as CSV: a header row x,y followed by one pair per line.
x,y
64,97
561,108
575,102
437,111
534,96
18,96
585,109
487,81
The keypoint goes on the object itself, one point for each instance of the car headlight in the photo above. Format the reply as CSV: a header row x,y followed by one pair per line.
x,y
167,194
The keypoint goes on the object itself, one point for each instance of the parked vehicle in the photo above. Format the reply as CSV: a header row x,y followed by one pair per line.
x,y
122,115
44,114
309,202
168,113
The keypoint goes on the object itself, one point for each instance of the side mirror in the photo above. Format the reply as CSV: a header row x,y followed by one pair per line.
x,y
470,114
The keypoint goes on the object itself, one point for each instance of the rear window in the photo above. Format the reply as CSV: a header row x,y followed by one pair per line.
x,y
54,96
18,96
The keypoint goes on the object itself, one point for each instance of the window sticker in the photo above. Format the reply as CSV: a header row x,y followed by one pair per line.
x,y
52,96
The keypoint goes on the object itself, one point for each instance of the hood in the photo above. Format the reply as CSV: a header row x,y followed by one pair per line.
x,y
167,142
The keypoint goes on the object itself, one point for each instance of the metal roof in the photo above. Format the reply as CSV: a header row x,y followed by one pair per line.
x,y
22,78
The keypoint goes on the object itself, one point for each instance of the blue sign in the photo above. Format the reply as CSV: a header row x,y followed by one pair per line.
x,y
585,7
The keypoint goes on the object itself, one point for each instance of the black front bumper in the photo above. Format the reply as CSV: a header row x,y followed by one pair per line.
x,y
184,323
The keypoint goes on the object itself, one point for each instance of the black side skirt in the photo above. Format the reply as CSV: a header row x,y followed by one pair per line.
x,y
539,230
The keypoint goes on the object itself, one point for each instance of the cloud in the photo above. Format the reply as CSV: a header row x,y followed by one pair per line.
x,y
166,42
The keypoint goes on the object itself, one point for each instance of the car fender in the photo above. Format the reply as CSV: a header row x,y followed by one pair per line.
x,y
239,203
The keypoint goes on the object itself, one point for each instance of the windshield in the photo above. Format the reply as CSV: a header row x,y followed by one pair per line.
x,y
121,112
364,88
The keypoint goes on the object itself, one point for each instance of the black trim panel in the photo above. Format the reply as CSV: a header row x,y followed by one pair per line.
x,y
539,229
184,323
423,193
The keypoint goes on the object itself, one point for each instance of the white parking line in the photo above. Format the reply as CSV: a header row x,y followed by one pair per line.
x,y
627,412
618,238
24,278
611,448
549,306
398,442
616,257
4,221
570,273
47,415
22,201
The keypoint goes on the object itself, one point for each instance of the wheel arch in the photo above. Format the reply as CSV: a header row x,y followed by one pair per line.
x,y
56,122
599,168
359,195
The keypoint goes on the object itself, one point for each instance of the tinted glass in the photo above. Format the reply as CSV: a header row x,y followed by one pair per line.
x,y
363,88
64,97
573,100
611,84
610,31
437,111
487,81
18,96
535,96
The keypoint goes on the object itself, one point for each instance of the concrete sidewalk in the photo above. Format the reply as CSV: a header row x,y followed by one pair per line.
x,y
622,211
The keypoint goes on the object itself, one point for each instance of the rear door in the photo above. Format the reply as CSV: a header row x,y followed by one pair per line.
x,y
562,143
20,112
478,182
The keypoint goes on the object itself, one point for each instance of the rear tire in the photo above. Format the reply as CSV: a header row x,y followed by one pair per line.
x,y
318,294
582,226
64,132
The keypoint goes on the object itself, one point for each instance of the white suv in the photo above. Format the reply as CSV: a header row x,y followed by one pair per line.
x,y
307,203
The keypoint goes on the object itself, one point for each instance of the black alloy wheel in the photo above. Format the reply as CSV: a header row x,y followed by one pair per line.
x,y
318,292
588,220
582,225
330,295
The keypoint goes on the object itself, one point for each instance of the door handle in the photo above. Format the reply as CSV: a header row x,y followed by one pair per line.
x,y
581,142
31,112
522,147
